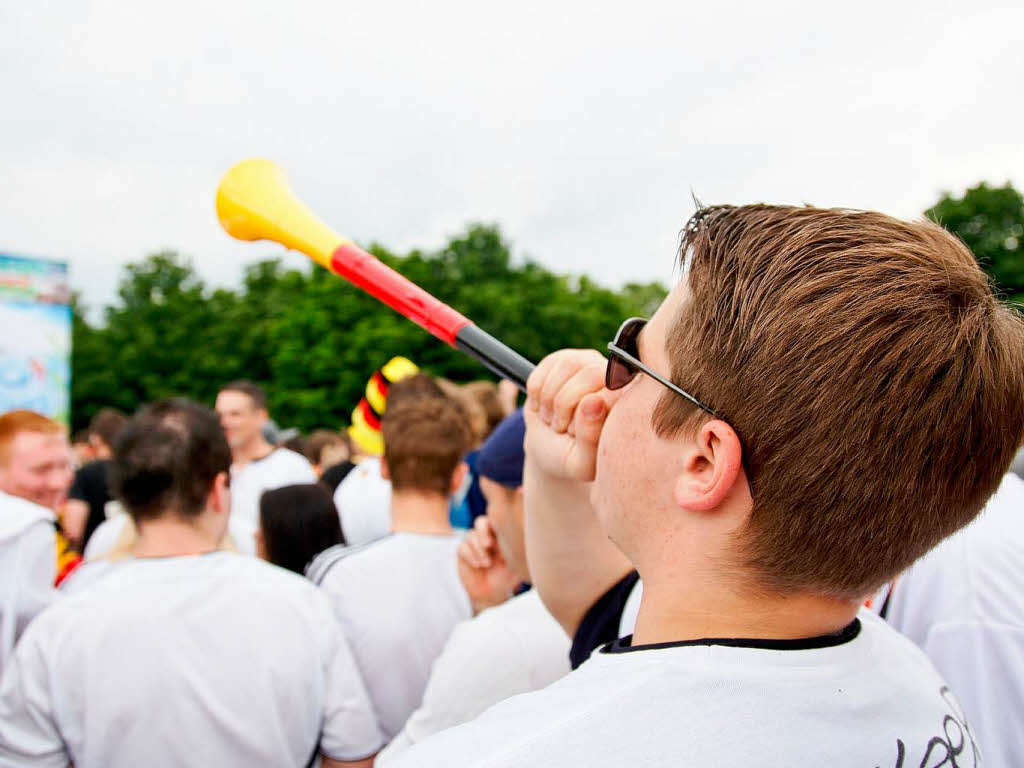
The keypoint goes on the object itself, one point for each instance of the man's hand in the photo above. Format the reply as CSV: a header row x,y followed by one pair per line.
x,y
565,411
572,561
482,569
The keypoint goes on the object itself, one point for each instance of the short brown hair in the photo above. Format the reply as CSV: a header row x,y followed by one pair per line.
x,y
166,459
13,423
412,387
313,446
474,412
106,424
486,393
876,384
246,387
424,441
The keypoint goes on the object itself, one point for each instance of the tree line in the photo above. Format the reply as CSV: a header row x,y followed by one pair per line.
x,y
312,340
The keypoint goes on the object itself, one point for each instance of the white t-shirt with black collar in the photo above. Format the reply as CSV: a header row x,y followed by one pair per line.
x,y
862,697
398,600
215,659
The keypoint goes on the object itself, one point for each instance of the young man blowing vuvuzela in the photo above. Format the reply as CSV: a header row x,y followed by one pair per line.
x,y
824,396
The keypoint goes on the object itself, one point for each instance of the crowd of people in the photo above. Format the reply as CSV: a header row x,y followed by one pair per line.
x,y
776,524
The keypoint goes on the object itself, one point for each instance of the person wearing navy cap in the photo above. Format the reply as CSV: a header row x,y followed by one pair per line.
x,y
512,646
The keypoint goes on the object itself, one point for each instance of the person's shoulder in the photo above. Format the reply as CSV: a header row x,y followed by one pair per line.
x,y
340,562
324,563
18,514
886,650
105,537
515,616
85,574
73,606
289,459
506,631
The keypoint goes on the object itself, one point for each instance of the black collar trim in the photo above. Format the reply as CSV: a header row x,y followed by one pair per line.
x,y
845,635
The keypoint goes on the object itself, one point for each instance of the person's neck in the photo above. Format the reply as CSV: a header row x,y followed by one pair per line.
x,y
420,512
251,451
172,536
709,607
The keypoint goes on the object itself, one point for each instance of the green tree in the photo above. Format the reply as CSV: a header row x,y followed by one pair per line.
x,y
990,220
312,340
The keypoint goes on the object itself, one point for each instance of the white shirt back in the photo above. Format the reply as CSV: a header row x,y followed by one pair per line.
x,y
873,700
28,566
513,648
363,500
213,659
279,468
963,604
398,600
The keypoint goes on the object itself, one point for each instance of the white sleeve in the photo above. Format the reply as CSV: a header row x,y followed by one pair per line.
x,y
28,732
32,571
105,537
303,472
350,730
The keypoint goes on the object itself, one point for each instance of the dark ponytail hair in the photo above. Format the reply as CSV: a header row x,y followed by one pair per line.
x,y
298,523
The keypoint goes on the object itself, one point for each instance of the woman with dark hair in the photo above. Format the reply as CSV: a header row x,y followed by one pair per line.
x,y
297,522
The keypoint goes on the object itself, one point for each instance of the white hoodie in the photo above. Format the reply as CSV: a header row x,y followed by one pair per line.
x,y
28,566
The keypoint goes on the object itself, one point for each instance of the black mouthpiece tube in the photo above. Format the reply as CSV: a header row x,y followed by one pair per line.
x,y
500,359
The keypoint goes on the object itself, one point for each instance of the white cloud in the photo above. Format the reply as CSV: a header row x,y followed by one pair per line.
x,y
581,127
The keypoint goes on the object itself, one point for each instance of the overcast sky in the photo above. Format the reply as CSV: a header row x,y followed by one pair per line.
x,y
580,127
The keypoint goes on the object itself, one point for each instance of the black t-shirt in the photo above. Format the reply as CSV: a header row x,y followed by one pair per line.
x,y
92,486
334,474
600,625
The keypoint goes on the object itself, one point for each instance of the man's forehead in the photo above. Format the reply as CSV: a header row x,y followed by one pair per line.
x,y
232,400
29,443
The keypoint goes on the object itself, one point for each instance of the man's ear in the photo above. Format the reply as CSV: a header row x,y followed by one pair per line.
x,y
384,471
458,477
261,544
712,466
220,494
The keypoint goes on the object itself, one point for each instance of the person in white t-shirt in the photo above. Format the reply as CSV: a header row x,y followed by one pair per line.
x,y
399,598
823,397
256,465
183,654
963,604
513,645
363,498
35,474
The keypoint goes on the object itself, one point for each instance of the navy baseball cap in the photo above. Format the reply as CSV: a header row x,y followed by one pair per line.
x,y
501,456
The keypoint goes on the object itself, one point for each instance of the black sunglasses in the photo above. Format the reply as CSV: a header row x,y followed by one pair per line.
x,y
624,363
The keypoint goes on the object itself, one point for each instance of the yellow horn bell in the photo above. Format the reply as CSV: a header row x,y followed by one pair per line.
x,y
254,202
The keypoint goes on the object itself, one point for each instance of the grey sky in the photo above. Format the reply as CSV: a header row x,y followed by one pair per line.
x,y
580,127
